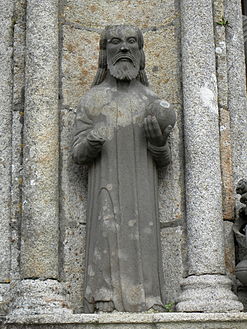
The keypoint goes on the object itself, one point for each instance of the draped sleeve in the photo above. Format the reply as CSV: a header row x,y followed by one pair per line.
x,y
83,151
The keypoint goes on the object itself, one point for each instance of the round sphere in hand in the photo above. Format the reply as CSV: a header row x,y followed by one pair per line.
x,y
163,112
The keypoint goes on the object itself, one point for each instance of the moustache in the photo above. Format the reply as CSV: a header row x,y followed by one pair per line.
x,y
119,56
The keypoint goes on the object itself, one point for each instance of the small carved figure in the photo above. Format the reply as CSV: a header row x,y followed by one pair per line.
x,y
121,133
242,190
239,228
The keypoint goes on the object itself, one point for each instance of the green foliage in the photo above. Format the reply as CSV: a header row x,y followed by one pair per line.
x,y
169,307
223,22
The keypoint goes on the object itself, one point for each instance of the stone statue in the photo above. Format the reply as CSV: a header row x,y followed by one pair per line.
x,y
121,132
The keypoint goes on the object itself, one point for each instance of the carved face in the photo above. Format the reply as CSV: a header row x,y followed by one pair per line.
x,y
123,53
241,186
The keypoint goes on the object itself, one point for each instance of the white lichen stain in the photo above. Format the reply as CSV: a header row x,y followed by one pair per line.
x,y
97,254
208,99
90,271
218,50
88,290
222,44
164,103
131,222
122,255
109,187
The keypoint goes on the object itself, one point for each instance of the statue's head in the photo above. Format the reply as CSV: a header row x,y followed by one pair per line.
x,y
241,186
121,52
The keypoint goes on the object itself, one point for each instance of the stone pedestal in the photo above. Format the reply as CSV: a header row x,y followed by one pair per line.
x,y
207,289
207,293
32,297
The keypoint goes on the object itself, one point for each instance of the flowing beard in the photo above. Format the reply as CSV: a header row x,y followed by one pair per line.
x,y
124,70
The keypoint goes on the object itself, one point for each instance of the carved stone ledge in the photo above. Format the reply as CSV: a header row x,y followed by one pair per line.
x,y
132,320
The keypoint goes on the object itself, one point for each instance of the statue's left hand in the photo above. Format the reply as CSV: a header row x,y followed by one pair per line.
x,y
153,132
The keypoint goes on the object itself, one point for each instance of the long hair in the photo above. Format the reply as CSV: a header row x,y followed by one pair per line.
x,y
102,62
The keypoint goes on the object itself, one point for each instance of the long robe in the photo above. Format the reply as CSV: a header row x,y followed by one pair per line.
x,y
123,262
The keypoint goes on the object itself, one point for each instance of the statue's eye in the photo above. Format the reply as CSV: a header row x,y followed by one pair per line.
x,y
132,40
115,41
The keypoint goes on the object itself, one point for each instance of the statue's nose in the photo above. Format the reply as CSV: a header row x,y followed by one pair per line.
x,y
124,47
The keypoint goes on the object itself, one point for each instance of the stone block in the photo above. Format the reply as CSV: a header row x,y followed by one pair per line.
x,y
79,63
94,14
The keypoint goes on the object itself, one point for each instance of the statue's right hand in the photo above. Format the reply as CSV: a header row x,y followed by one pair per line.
x,y
95,140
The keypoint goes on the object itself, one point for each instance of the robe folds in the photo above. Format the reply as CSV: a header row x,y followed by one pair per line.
x,y
123,258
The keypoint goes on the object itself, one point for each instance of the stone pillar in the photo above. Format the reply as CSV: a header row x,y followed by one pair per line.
x,y
39,291
206,289
6,48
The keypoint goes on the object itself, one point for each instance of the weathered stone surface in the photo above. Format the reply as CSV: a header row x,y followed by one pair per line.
x,y
4,298
226,165
17,129
237,89
31,297
224,116
204,290
73,204
73,176
171,246
136,321
6,46
203,175
229,248
145,14
39,250
74,263
79,64
208,294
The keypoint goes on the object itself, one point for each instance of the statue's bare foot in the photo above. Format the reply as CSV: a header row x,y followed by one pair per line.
x,y
104,306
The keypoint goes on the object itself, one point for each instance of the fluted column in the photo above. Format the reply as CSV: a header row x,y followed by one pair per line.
x,y
206,289
6,50
39,291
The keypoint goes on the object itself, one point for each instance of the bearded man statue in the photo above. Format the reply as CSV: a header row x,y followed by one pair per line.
x,y
121,133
